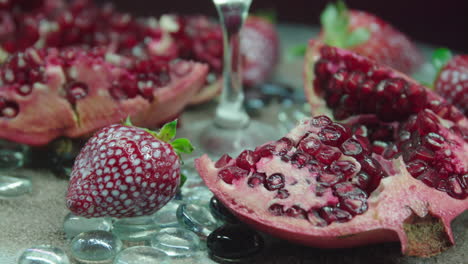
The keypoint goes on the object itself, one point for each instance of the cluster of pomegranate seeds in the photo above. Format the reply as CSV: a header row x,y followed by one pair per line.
x,y
353,85
434,154
333,157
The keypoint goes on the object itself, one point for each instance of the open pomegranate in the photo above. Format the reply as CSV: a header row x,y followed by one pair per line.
x,y
395,169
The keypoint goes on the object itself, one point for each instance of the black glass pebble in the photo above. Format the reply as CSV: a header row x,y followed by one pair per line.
x,y
221,212
234,242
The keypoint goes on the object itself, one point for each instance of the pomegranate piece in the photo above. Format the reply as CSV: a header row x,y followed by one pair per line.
x,y
353,197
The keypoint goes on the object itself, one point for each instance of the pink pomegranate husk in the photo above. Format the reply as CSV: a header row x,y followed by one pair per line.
x,y
396,210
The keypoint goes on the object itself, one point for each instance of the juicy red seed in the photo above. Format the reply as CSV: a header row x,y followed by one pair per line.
x,y
391,151
453,187
265,151
333,214
434,141
310,145
314,166
327,155
296,212
223,161
286,158
300,158
322,69
416,168
232,173
371,166
338,81
282,194
379,147
247,160
23,89
276,209
420,153
321,121
361,180
181,68
427,122
283,146
76,91
354,80
343,167
351,147
404,135
333,134
256,179
430,177
315,219
274,182
328,179
360,130
8,109
352,199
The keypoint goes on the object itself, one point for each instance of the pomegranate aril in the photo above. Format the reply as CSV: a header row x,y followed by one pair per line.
x,y
296,212
283,146
256,179
338,81
391,151
354,203
420,153
379,147
430,177
310,145
433,141
232,173
76,91
8,109
274,182
355,79
276,209
352,147
300,159
453,187
223,161
247,159
427,122
362,180
327,155
333,134
371,166
343,167
334,214
321,121
416,168
329,179
265,151
282,194
314,218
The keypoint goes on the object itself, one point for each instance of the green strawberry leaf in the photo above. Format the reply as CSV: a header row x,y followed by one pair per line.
x,y
168,131
335,21
183,179
182,145
268,14
440,58
298,51
127,122
357,37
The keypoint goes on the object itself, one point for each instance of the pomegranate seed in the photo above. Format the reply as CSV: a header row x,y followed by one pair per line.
x,y
300,158
265,151
328,179
321,121
229,174
283,146
391,151
362,181
379,147
327,155
76,91
333,134
322,69
427,122
354,81
282,194
430,177
343,167
371,166
8,109
416,168
181,68
274,182
420,153
360,130
256,179
333,214
310,145
434,141
276,209
296,212
314,166
315,219
23,89
338,81
247,160
453,187
223,161
352,199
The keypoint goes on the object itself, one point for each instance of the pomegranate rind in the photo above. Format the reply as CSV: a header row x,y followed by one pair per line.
x,y
393,207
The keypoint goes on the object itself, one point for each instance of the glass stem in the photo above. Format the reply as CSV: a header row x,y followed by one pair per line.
x,y
230,112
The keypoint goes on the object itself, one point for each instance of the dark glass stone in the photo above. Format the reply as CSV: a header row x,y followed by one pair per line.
x,y
234,242
221,212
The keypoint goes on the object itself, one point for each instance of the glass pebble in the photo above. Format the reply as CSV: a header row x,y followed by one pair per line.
x,y
198,194
166,216
234,242
12,155
221,212
197,218
135,228
13,186
176,242
74,225
141,255
44,254
95,246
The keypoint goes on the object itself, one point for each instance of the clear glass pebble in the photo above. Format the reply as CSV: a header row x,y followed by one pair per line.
x,y
141,255
176,242
11,187
135,228
197,218
74,225
198,194
12,155
166,216
44,254
95,247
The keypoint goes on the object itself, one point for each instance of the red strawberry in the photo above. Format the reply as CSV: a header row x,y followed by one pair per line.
x,y
260,47
369,36
452,78
126,171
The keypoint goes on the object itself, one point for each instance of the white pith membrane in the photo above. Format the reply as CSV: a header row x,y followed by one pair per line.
x,y
391,207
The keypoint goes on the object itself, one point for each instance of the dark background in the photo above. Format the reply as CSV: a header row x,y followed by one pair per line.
x,y
438,22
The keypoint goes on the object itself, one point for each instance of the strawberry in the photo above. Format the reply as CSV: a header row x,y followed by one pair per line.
x,y
126,171
260,47
452,78
369,36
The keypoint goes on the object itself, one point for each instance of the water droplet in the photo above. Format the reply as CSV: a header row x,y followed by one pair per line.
x,y
44,254
141,255
221,212
234,242
135,228
13,186
176,242
166,216
74,225
95,246
197,219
